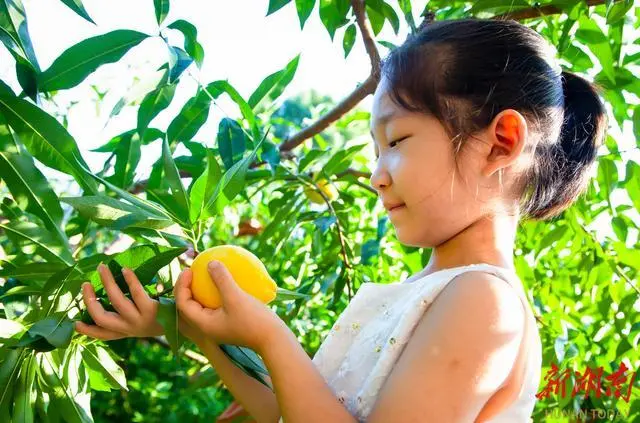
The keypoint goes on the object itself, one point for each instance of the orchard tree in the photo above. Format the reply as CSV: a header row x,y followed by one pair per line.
x,y
289,181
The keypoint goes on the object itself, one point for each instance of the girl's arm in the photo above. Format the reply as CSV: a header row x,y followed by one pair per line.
x,y
259,401
301,391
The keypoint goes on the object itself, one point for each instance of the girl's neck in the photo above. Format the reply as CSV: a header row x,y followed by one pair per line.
x,y
488,240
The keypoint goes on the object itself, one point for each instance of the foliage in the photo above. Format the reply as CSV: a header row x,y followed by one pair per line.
x,y
583,289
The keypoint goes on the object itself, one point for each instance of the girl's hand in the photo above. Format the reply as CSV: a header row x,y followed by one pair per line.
x,y
242,320
131,319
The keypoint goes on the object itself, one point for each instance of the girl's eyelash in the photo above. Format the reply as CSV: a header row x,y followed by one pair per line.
x,y
395,141
398,140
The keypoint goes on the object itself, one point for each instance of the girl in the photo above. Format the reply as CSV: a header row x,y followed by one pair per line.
x,y
474,127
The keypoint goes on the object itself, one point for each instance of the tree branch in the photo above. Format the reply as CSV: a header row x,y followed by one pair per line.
x,y
536,12
363,90
369,42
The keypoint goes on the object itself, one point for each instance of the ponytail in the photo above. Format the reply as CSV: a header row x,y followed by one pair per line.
x,y
573,155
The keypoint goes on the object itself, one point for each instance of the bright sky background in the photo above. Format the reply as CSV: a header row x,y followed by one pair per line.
x,y
241,45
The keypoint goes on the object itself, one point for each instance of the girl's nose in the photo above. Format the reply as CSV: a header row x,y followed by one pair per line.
x,y
380,179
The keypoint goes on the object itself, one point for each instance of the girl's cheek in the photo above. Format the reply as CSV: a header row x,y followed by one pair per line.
x,y
396,161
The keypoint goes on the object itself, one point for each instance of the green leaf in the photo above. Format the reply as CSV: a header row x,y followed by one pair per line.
x,y
169,203
111,146
13,20
168,318
341,160
333,14
78,7
592,35
551,237
60,281
617,10
496,6
387,44
103,370
162,10
33,234
304,9
232,142
31,191
10,363
74,408
273,85
139,89
275,5
579,60
127,158
56,330
145,260
285,294
136,201
191,44
106,211
31,271
391,16
231,183
204,186
25,392
405,6
627,256
25,71
175,183
376,18
309,157
247,360
149,269
632,183
74,373
80,60
192,116
44,137
349,39
179,61
27,77
20,290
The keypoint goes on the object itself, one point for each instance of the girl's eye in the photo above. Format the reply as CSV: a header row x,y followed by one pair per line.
x,y
397,141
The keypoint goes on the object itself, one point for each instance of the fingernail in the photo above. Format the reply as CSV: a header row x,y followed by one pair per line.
x,y
213,264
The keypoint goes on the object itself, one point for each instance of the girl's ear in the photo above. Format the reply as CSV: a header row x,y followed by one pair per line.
x,y
507,135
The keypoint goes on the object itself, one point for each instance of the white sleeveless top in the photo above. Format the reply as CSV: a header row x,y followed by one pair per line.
x,y
367,338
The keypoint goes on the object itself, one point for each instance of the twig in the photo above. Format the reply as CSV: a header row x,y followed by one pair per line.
x,y
345,257
192,355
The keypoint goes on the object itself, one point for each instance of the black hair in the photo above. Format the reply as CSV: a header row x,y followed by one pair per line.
x,y
465,71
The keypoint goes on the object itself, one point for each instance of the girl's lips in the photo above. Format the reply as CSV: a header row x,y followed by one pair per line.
x,y
400,207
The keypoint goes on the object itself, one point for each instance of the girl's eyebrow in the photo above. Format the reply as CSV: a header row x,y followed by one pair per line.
x,y
384,119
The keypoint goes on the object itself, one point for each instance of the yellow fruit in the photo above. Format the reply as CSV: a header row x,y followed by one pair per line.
x,y
324,185
247,270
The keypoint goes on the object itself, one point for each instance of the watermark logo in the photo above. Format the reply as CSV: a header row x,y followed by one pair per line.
x,y
589,381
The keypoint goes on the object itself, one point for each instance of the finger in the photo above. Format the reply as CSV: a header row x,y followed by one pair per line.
x,y
182,288
106,319
121,303
142,300
224,281
191,310
98,332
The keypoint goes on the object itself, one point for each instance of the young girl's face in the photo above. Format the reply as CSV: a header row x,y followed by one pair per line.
x,y
415,167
